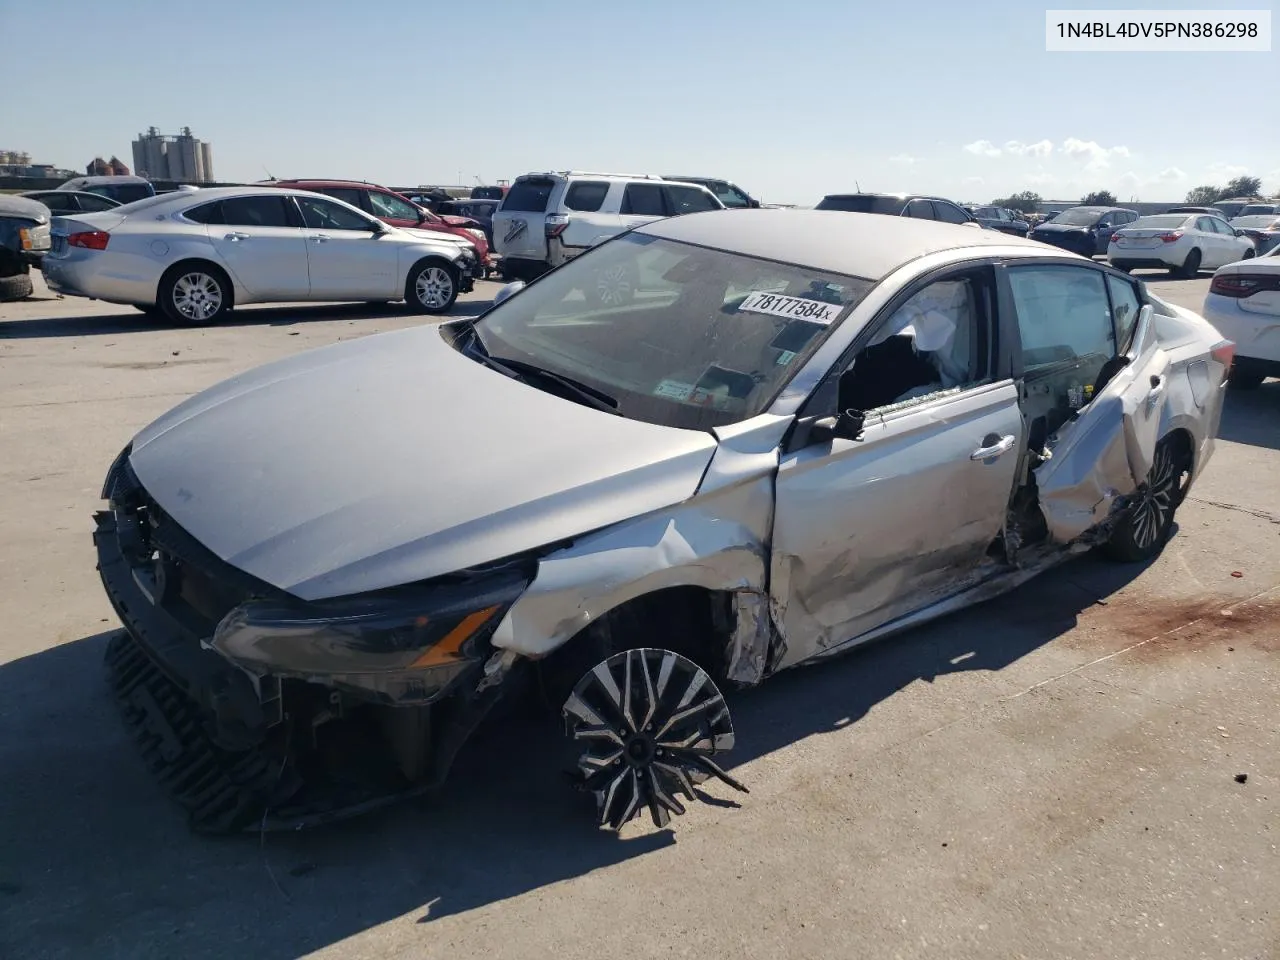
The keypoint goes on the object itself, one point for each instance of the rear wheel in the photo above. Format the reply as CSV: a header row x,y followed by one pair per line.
x,y
1191,266
432,287
1142,533
195,293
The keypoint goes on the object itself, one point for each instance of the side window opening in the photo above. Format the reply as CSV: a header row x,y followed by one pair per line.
x,y
937,342
643,200
586,196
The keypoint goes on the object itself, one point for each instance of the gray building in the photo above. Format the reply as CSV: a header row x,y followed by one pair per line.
x,y
183,158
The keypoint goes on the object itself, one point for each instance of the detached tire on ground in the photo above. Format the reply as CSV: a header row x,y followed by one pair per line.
x,y
17,287
432,287
1142,533
194,293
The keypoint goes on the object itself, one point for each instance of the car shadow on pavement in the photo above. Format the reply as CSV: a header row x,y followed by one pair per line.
x,y
96,861
48,328
1252,416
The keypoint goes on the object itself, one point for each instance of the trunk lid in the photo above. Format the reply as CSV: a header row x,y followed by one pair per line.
x,y
519,224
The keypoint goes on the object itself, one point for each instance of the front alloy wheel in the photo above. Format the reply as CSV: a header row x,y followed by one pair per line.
x,y
432,288
651,722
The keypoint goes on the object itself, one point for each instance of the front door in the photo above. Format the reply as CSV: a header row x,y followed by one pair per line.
x,y
347,255
263,246
869,530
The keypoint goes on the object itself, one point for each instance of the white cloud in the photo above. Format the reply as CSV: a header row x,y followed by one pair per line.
x,y
1225,171
905,159
1040,149
982,148
973,180
1041,179
1171,174
1094,155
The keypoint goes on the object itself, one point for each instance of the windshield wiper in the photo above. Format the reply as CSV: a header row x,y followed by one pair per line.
x,y
519,370
588,395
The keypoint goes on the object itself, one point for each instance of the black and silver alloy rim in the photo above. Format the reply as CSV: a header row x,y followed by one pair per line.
x,y
1154,510
651,721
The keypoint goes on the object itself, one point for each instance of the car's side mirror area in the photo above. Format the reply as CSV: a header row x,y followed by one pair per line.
x,y
846,425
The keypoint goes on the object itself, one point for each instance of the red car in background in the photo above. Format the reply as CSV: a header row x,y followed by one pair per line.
x,y
390,207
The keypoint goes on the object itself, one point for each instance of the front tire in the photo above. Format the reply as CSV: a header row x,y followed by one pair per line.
x,y
16,287
1142,533
1191,266
194,294
432,287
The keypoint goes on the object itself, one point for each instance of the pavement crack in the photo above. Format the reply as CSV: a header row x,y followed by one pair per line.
x,y
1260,514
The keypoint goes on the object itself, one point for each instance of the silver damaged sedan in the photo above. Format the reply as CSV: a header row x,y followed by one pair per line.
x,y
710,449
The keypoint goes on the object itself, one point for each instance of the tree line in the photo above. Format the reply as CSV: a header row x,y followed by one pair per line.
x,y
1029,201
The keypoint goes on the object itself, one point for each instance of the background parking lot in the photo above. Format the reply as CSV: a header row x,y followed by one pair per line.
x,y
1053,774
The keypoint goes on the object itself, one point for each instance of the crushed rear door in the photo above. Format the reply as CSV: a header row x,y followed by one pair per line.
x,y
1106,451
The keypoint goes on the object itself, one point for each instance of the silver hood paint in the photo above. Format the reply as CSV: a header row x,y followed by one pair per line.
x,y
392,459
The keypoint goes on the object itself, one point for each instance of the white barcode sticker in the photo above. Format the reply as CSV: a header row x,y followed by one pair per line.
x,y
794,308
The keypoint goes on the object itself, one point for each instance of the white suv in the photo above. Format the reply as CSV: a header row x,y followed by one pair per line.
x,y
548,218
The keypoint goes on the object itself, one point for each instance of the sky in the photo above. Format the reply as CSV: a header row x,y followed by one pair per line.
x,y
790,100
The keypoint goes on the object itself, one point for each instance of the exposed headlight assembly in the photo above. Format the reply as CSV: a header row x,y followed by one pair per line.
x,y
407,645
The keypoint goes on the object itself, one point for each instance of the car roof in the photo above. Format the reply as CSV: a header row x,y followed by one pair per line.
x,y
91,181
863,245
901,196
365,184
12,205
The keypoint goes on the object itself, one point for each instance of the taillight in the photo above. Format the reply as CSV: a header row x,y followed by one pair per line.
x,y
555,224
1115,238
1171,237
1224,351
1243,284
89,239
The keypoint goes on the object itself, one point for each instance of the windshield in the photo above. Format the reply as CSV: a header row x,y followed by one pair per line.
x,y
1165,222
1079,217
678,335
1257,209
987,213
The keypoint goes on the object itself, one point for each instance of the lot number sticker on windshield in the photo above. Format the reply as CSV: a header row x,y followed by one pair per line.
x,y
794,308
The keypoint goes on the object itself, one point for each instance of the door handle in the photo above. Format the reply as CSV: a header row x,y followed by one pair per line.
x,y
235,236
993,446
321,238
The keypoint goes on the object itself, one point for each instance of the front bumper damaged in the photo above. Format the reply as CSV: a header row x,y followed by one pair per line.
x,y
245,743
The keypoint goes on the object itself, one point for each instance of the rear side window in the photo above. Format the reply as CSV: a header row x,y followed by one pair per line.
x,y
948,212
1124,308
1063,314
389,205
123,192
95,203
206,213
690,200
345,194
863,204
920,210
529,196
586,196
643,200
263,211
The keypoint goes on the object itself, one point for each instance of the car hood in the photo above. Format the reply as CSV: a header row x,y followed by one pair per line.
x,y
394,458
437,236
455,220
24,207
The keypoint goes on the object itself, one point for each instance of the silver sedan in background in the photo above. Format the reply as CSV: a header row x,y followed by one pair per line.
x,y
193,255
799,432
